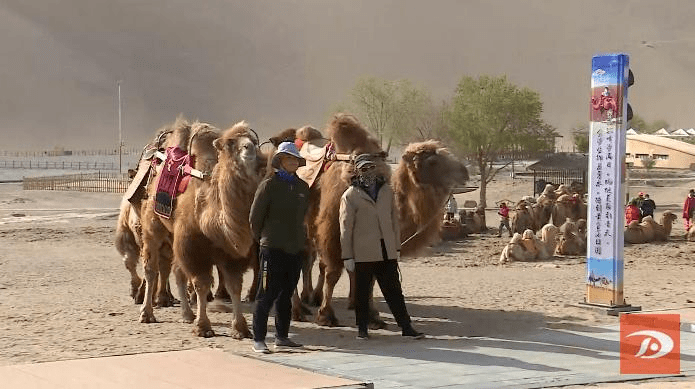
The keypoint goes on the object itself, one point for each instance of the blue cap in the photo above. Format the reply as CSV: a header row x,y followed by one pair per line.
x,y
288,148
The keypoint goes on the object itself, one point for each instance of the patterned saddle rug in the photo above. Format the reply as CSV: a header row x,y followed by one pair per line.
x,y
173,181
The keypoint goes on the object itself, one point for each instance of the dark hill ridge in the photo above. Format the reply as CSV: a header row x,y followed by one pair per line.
x,y
280,64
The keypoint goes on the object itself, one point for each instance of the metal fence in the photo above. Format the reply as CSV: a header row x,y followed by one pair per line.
x,y
84,182
64,165
567,177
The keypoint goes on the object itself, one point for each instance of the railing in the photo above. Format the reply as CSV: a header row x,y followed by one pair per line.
x,y
64,165
85,182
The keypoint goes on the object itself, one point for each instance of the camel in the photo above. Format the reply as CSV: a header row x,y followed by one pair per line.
x,y
634,233
209,225
571,241
649,230
522,219
568,206
654,231
421,183
528,247
474,221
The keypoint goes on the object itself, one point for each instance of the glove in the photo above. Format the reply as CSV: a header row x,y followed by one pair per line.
x,y
349,264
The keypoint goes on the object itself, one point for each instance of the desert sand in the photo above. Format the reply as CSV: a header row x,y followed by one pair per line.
x,y
64,289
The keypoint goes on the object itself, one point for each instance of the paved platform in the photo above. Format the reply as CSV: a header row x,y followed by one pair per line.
x,y
547,357
190,369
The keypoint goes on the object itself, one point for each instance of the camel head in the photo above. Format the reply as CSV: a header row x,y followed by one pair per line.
x,y
429,163
350,137
668,217
287,135
238,147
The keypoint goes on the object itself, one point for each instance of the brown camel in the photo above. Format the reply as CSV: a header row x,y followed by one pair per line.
x,y
210,223
568,206
571,242
528,247
634,233
521,219
654,231
422,183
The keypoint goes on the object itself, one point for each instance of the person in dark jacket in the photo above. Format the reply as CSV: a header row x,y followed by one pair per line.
x,y
277,221
370,244
648,206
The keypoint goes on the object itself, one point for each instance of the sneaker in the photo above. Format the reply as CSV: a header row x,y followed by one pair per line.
x,y
410,332
362,335
259,346
286,342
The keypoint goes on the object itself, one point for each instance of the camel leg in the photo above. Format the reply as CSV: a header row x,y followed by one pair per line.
x,y
202,326
298,308
255,266
318,291
351,294
233,279
164,296
307,287
140,295
182,286
325,315
375,321
130,260
221,293
150,264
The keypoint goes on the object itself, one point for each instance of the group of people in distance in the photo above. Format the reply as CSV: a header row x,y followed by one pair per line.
x,y
369,238
639,207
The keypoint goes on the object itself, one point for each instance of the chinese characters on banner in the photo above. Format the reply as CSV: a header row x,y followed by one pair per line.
x,y
606,159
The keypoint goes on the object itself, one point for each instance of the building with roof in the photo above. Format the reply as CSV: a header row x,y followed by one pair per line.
x,y
560,168
667,153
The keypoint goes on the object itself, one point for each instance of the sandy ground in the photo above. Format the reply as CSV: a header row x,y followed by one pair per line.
x,y
64,289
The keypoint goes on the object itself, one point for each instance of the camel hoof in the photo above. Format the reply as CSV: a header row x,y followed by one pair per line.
x,y
188,317
239,335
203,333
326,319
164,301
147,317
377,324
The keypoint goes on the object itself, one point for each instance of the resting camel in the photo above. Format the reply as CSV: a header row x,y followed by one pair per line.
x,y
474,221
649,230
528,247
210,224
571,241
421,183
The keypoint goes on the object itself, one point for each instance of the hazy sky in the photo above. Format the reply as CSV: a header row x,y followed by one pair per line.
x,y
282,64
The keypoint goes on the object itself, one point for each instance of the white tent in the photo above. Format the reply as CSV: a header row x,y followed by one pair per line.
x,y
679,132
691,131
631,132
662,132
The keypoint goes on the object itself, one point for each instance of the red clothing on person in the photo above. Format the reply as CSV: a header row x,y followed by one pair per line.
x,y
688,207
631,213
504,212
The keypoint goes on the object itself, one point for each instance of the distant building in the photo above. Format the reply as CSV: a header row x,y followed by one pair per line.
x,y
560,168
667,153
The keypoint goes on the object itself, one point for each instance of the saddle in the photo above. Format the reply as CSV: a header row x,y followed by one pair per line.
x,y
172,181
314,152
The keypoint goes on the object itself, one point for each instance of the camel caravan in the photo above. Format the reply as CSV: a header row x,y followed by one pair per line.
x,y
187,212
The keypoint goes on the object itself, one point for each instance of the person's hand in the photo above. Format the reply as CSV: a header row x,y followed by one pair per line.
x,y
349,264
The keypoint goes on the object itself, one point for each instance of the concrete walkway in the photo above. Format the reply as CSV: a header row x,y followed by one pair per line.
x,y
547,357
190,369
544,357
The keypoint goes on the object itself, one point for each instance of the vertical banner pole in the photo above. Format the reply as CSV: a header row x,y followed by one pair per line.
x,y
606,186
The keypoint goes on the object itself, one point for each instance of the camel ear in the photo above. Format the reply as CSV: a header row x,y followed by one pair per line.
x,y
217,143
408,157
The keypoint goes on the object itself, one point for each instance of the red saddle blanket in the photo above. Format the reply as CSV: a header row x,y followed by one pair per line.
x,y
172,181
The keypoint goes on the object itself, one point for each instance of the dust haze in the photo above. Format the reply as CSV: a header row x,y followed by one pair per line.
x,y
279,64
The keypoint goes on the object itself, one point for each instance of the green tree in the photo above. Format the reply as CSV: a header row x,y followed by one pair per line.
x,y
487,116
580,137
648,163
391,108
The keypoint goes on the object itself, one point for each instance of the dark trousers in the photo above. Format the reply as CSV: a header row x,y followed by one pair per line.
x,y
278,277
386,274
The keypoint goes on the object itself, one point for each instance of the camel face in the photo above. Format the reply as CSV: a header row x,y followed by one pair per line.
x,y
238,146
434,165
